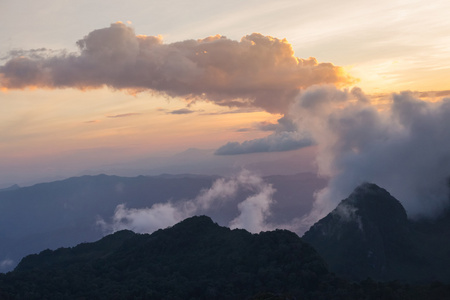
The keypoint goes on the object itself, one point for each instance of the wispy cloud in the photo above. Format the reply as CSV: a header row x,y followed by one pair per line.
x,y
40,53
267,126
181,111
244,129
283,141
430,94
286,137
124,115
243,110
6,263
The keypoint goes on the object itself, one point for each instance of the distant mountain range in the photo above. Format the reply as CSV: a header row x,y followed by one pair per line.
x,y
369,235
64,213
195,259
10,188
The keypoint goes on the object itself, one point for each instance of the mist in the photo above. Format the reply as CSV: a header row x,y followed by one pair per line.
x,y
403,146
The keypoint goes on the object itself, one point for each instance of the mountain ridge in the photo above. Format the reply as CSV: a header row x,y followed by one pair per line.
x,y
195,258
369,235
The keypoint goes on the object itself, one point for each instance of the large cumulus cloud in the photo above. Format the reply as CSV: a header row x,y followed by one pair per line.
x,y
258,71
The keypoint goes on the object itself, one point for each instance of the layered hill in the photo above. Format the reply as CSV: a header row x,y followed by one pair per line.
x,y
369,235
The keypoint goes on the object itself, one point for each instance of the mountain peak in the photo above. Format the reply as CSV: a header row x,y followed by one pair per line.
x,y
201,220
364,235
196,224
370,201
368,187
10,188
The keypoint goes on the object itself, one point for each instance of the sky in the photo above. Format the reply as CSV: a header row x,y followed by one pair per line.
x,y
212,87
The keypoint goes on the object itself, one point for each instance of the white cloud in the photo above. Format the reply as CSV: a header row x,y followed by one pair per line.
x,y
254,210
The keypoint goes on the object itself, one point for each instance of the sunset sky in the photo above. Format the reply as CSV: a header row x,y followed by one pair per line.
x,y
115,83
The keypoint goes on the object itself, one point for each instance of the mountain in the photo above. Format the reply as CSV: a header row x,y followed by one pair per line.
x,y
65,213
369,235
10,188
194,259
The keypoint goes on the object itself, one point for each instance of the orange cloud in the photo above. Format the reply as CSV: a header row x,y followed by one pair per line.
x,y
257,71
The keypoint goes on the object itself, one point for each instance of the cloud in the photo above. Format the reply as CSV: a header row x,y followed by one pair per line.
x,y
283,124
182,111
257,71
405,147
221,190
160,215
245,129
285,138
32,53
6,264
283,141
244,110
124,115
267,126
443,93
253,211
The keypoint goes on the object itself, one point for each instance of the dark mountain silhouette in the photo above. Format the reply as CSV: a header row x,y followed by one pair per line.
x,y
369,235
194,259
64,213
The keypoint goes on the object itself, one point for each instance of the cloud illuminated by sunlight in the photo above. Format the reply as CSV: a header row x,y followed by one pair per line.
x,y
258,71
